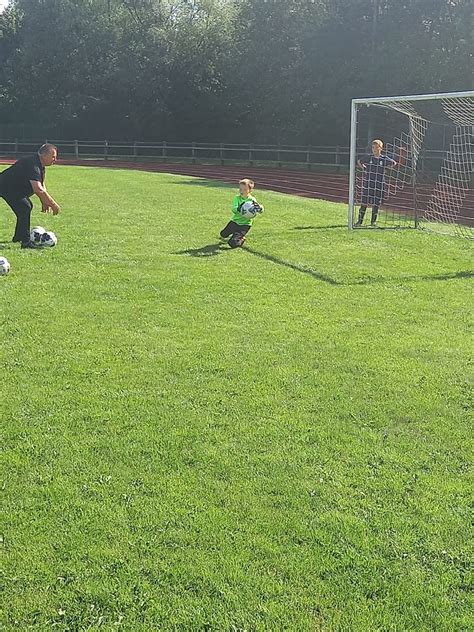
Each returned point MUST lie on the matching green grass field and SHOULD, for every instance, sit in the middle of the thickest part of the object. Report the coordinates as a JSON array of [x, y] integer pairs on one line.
[[194, 438]]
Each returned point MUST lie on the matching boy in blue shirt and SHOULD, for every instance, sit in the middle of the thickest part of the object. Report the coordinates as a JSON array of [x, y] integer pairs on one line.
[[373, 183]]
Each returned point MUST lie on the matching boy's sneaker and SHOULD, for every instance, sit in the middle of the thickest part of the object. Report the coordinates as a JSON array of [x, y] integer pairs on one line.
[[237, 243], [357, 225]]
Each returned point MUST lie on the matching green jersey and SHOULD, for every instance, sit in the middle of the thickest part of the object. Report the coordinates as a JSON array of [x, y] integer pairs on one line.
[[236, 216]]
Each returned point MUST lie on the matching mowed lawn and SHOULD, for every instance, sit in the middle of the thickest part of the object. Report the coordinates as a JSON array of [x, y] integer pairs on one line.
[[198, 438]]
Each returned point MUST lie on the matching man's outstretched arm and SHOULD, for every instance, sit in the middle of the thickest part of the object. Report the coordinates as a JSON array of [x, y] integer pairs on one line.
[[47, 201]]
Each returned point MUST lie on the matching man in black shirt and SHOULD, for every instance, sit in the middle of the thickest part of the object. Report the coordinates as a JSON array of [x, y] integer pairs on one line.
[[23, 179]]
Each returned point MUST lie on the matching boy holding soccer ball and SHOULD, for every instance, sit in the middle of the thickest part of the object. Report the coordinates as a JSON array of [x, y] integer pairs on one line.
[[244, 209]]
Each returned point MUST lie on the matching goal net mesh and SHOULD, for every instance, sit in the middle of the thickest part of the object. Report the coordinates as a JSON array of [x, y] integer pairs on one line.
[[431, 185]]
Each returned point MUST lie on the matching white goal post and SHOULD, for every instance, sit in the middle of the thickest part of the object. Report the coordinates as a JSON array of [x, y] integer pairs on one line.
[[425, 175]]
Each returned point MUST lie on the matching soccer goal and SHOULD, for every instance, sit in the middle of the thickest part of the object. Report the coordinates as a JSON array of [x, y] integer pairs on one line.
[[422, 176]]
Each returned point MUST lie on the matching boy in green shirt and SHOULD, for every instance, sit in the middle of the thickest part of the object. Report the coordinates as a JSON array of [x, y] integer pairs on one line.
[[239, 225]]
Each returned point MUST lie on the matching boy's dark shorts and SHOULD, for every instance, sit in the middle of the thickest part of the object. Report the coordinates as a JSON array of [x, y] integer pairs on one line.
[[372, 195]]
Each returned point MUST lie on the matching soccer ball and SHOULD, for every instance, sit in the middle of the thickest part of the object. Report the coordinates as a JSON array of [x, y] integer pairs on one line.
[[4, 266], [48, 239], [36, 233], [248, 210]]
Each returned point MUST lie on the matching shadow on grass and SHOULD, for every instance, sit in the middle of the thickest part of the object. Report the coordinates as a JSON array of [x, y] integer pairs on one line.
[[319, 227], [199, 181], [293, 266], [362, 228], [384, 228], [464, 274], [211, 250]]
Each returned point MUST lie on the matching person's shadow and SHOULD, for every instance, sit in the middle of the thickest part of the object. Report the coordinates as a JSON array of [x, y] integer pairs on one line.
[[211, 250]]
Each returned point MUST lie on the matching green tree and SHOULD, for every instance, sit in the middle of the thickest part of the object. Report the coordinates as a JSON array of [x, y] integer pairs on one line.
[[273, 71]]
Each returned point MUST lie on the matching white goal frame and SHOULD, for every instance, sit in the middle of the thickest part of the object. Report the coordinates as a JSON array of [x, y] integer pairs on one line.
[[355, 103]]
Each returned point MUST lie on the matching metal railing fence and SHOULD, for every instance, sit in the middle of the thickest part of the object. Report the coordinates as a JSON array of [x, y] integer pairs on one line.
[[220, 153], [309, 157]]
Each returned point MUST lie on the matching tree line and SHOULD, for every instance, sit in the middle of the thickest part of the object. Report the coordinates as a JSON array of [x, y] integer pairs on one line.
[[262, 71]]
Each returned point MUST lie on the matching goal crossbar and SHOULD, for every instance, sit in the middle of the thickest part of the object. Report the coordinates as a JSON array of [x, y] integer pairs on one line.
[[416, 97]]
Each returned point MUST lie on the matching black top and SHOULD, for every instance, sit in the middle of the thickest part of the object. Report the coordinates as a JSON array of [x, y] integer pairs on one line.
[[15, 181], [375, 167]]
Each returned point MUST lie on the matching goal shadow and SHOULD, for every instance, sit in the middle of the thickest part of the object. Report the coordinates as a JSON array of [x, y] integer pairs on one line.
[[320, 276], [215, 249], [327, 227], [293, 266], [448, 276]]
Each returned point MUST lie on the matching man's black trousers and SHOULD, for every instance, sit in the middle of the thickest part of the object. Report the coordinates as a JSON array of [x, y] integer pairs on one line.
[[22, 209]]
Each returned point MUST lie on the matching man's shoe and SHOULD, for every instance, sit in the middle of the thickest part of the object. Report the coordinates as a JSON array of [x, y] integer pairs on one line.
[[30, 244], [373, 224], [357, 225]]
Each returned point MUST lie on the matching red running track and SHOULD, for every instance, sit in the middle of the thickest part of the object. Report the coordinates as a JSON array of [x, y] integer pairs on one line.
[[331, 187], [308, 184]]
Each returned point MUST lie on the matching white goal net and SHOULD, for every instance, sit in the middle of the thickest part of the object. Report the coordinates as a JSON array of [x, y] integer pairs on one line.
[[419, 172]]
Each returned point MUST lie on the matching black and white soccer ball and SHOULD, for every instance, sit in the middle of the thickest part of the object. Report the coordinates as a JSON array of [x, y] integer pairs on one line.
[[249, 209], [48, 239], [36, 233], [4, 266]]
